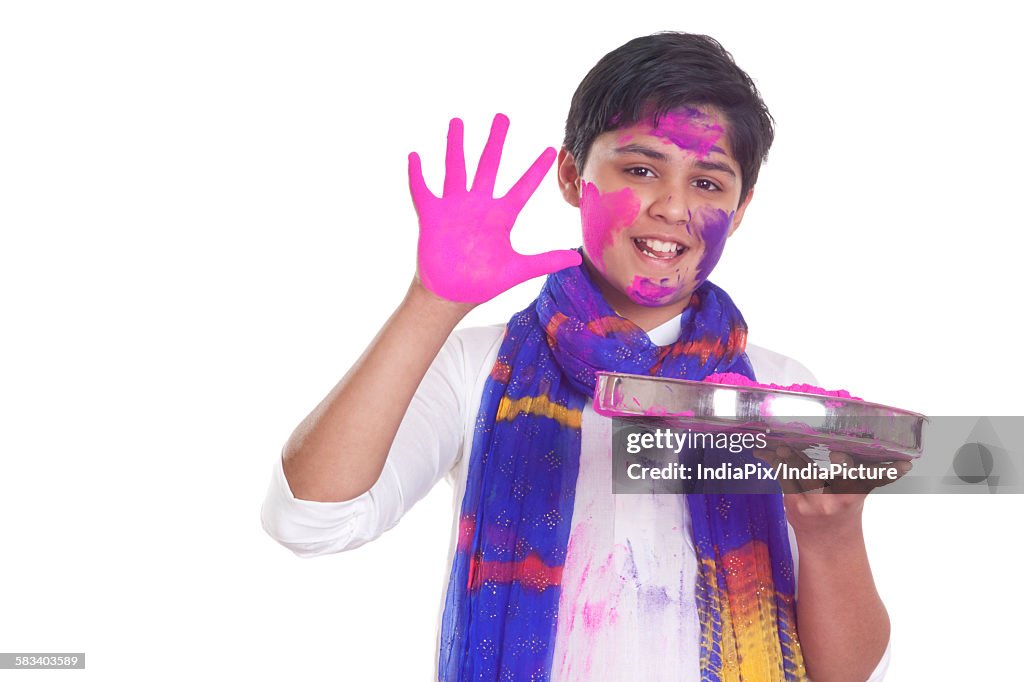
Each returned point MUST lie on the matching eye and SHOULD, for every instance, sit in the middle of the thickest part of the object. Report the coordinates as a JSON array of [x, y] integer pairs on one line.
[[640, 172], [706, 185]]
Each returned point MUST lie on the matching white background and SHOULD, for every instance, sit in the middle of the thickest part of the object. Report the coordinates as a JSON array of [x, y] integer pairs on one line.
[[205, 219]]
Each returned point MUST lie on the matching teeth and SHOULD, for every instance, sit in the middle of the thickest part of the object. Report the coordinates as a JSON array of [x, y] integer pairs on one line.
[[660, 248]]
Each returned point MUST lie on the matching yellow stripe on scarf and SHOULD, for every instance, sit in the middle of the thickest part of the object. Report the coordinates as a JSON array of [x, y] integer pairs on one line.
[[540, 406], [750, 622]]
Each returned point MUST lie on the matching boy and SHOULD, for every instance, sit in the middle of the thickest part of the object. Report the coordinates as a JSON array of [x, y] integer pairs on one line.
[[553, 577]]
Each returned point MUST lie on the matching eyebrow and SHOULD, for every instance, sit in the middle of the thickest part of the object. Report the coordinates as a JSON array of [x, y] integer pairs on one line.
[[715, 166], [702, 164], [642, 151]]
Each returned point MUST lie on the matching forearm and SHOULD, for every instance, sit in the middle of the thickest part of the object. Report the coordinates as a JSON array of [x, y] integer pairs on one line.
[[843, 625], [339, 450], [463, 254]]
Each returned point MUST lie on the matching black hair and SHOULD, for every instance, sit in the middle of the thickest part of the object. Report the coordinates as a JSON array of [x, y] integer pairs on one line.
[[658, 73]]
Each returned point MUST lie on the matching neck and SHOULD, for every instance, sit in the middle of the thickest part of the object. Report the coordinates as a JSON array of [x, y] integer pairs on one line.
[[645, 317]]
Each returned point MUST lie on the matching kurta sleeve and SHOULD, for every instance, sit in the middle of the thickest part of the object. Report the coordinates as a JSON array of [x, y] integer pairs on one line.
[[425, 448]]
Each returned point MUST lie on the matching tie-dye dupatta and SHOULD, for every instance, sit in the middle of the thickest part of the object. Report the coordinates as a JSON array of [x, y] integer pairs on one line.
[[501, 608]]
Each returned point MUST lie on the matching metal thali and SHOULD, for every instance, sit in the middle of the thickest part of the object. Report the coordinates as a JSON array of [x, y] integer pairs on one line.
[[800, 420]]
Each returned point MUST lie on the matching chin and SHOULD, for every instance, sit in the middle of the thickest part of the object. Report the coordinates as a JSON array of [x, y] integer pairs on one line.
[[649, 303], [645, 290]]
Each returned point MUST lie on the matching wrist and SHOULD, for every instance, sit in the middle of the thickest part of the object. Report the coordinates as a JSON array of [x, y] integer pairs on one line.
[[422, 299], [831, 537]]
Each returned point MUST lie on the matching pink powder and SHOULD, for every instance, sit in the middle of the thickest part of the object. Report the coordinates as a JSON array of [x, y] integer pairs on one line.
[[603, 216], [593, 615], [644, 291], [659, 411], [587, 588], [689, 129], [733, 379], [464, 252]]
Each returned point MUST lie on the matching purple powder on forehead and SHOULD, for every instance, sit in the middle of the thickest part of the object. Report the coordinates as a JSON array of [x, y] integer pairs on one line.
[[733, 379], [689, 129]]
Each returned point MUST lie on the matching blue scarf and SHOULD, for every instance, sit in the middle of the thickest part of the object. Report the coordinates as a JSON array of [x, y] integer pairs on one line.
[[500, 611]]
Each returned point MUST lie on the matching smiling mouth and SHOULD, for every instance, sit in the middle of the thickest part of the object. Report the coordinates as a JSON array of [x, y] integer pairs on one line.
[[659, 250]]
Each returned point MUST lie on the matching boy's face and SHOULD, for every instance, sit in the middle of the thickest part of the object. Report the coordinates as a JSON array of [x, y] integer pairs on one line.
[[657, 204]]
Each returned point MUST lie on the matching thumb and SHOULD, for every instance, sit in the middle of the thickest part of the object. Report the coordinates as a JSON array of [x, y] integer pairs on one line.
[[546, 263]]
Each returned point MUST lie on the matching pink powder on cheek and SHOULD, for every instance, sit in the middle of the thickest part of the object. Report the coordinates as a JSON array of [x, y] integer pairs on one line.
[[713, 224], [603, 216], [733, 379], [689, 129]]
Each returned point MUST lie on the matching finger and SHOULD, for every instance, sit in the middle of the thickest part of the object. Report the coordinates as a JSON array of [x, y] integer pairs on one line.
[[454, 160], [900, 468], [769, 459], [528, 184], [843, 485], [417, 187], [767, 456], [799, 456], [487, 170], [546, 263], [792, 462], [798, 461]]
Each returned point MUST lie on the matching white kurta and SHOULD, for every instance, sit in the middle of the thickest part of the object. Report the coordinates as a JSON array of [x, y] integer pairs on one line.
[[627, 608]]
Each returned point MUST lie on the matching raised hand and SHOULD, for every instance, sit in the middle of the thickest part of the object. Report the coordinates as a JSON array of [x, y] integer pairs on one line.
[[465, 252]]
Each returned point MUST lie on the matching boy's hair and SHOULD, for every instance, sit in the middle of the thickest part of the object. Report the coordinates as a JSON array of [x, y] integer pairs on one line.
[[666, 71]]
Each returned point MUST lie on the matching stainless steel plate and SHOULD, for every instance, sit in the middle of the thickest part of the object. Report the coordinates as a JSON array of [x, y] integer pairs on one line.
[[801, 420]]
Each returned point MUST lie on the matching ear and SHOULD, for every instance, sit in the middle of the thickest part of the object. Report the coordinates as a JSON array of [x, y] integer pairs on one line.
[[568, 178], [740, 211]]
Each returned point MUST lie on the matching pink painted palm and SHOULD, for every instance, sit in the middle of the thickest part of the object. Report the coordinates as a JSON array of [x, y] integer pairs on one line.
[[465, 252]]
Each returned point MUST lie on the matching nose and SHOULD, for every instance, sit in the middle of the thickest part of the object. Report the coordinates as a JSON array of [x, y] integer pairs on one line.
[[671, 209]]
